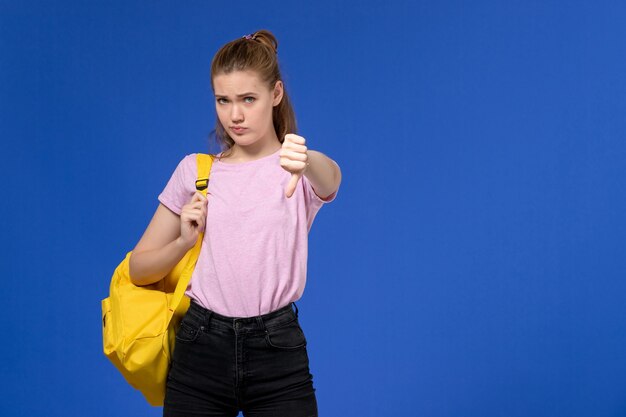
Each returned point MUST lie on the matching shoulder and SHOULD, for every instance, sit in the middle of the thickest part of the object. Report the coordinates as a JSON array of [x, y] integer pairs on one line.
[[187, 167], [189, 158], [181, 184], [188, 161], [192, 158]]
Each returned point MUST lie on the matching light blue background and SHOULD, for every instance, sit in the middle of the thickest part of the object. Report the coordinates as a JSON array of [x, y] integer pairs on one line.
[[473, 263]]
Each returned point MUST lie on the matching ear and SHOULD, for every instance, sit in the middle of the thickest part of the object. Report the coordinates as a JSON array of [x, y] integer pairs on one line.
[[277, 93]]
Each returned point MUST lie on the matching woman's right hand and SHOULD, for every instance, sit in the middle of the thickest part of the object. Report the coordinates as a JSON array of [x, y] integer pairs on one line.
[[193, 220]]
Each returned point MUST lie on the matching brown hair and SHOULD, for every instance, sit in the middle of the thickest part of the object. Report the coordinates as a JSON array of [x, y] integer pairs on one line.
[[255, 52]]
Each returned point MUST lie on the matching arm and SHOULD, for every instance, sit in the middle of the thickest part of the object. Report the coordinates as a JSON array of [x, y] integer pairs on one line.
[[159, 249], [323, 173], [166, 240]]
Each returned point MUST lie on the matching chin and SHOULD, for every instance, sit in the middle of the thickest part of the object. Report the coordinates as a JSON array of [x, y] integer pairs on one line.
[[240, 142]]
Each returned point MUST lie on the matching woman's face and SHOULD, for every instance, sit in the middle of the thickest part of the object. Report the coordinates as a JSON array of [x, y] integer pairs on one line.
[[244, 105]]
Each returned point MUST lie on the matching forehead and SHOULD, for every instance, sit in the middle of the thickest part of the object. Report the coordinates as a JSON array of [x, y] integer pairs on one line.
[[237, 82]]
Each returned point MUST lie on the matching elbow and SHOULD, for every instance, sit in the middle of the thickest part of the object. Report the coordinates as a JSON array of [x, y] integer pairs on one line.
[[131, 270], [334, 182], [138, 274], [336, 177], [135, 277]]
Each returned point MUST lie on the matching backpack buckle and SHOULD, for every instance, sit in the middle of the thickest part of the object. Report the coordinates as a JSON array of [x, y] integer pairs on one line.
[[202, 184]]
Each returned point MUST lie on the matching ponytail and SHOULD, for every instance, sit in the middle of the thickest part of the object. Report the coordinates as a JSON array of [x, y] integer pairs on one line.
[[256, 52]]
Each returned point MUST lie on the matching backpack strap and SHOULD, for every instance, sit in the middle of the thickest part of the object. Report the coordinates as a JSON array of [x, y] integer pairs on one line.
[[204, 163], [204, 170]]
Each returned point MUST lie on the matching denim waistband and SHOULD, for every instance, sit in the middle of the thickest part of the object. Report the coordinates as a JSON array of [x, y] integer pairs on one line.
[[275, 318]]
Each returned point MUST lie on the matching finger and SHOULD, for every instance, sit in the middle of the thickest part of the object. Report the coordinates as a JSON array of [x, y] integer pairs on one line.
[[197, 196], [198, 209], [296, 156], [196, 215], [294, 147], [198, 204], [291, 137], [200, 222], [192, 210], [293, 166], [291, 186], [194, 222]]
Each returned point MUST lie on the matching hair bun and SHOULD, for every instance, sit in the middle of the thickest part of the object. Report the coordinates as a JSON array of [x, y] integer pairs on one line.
[[266, 38]]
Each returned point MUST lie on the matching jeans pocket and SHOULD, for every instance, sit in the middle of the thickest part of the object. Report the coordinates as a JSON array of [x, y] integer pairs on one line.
[[288, 336], [187, 331]]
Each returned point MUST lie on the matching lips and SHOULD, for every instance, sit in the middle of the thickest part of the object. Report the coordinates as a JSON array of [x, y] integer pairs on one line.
[[238, 130]]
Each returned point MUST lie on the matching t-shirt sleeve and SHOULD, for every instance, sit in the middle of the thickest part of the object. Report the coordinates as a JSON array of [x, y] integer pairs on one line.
[[313, 201], [312, 197], [181, 185]]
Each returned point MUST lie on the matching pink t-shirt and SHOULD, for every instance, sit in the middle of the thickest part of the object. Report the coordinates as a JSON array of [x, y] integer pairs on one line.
[[254, 253]]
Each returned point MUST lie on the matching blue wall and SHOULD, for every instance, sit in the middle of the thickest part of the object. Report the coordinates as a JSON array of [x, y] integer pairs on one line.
[[473, 263]]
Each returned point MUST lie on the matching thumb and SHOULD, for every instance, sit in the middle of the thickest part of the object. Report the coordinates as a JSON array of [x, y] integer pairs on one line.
[[291, 186]]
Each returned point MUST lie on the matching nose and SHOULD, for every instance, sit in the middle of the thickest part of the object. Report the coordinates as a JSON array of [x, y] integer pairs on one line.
[[236, 115]]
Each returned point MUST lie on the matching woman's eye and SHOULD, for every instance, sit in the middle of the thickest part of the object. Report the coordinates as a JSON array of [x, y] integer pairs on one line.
[[248, 99], [221, 100]]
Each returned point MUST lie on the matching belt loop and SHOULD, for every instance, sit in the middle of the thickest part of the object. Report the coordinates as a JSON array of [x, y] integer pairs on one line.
[[208, 319], [261, 324], [294, 304]]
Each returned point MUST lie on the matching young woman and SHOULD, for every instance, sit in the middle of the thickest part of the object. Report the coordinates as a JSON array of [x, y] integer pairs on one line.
[[240, 346]]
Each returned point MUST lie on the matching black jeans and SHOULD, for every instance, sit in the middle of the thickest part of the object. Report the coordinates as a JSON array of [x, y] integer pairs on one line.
[[223, 365]]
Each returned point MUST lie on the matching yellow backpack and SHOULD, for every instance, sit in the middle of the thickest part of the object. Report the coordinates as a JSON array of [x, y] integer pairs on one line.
[[139, 323]]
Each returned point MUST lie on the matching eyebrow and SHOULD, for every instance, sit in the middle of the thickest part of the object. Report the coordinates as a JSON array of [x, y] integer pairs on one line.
[[238, 95]]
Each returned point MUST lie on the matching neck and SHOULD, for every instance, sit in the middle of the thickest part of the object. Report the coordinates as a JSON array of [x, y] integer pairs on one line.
[[254, 151]]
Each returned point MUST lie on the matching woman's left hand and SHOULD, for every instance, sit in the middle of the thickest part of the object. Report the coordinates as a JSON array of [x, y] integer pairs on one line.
[[294, 159]]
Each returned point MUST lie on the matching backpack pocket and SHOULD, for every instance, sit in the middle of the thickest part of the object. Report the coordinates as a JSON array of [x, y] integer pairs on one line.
[[108, 334]]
